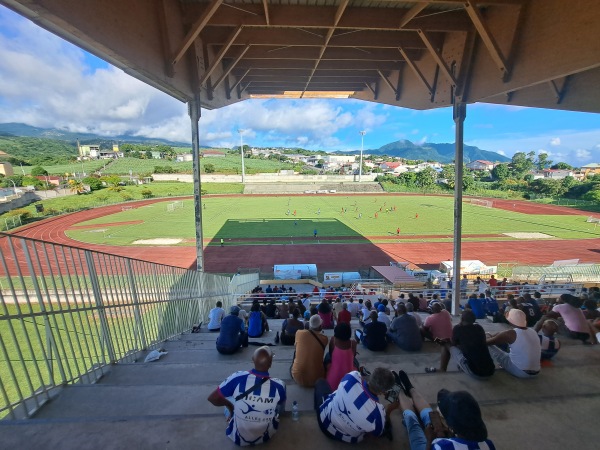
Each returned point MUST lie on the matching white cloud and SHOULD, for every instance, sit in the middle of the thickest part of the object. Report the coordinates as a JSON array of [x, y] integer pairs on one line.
[[583, 154], [501, 152], [555, 141]]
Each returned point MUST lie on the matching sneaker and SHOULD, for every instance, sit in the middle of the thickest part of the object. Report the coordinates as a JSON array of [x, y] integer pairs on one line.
[[403, 380]]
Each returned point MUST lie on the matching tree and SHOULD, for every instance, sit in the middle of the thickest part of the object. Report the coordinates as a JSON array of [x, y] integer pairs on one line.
[[448, 174], [522, 164], [562, 166], [38, 171], [501, 172], [426, 178], [94, 183], [148, 154], [542, 161], [468, 181], [209, 168], [568, 182]]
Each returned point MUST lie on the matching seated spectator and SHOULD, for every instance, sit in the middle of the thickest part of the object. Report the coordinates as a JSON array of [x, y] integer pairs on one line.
[[438, 326], [476, 305], [307, 366], [257, 322], [326, 314], [341, 358], [568, 306], [460, 411], [256, 401], [353, 410], [344, 315], [414, 300], [382, 316], [468, 349], [305, 303], [337, 307], [365, 312], [215, 316], [490, 304], [233, 333], [353, 307], [404, 330], [374, 334], [523, 358], [533, 301], [290, 327], [447, 303], [532, 314], [591, 310], [300, 306], [283, 310], [411, 312], [547, 329], [271, 309], [422, 303]]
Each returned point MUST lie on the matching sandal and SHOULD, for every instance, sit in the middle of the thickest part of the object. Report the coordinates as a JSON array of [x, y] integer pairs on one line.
[[430, 370]]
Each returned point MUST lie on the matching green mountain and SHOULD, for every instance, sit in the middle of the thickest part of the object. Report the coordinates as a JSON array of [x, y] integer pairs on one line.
[[443, 153]]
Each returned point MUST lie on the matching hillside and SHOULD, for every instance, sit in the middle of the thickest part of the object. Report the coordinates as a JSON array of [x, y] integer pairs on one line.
[[443, 153]]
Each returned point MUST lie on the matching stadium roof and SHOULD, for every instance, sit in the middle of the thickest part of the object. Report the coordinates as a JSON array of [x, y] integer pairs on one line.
[[417, 54]]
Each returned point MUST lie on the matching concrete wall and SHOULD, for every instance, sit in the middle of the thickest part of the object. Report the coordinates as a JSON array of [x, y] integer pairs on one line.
[[22, 200], [263, 178]]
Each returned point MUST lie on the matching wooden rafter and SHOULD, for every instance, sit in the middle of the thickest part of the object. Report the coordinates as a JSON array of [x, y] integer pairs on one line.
[[195, 30], [437, 57], [219, 57], [416, 71], [559, 91], [412, 13], [231, 66], [266, 8], [388, 82], [487, 37]]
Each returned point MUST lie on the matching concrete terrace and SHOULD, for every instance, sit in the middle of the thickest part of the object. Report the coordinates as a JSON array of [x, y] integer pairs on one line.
[[162, 405]]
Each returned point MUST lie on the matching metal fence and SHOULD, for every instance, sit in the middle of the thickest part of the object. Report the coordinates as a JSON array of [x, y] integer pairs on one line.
[[67, 313]]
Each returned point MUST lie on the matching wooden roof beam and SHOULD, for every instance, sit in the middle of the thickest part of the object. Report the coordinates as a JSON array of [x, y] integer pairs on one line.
[[412, 13], [266, 8], [221, 54], [230, 67], [195, 30], [238, 81], [437, 57], [487, 38], [388, 82], [417, 72]]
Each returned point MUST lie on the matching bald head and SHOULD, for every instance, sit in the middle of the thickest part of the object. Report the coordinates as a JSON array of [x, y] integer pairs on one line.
[[262, 358], [373, 316]]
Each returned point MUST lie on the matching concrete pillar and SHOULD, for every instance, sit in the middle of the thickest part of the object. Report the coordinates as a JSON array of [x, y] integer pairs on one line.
[[459, 114], [194, 112]]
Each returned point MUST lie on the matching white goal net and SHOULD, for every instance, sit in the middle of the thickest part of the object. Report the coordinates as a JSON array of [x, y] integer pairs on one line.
[[484, 203]]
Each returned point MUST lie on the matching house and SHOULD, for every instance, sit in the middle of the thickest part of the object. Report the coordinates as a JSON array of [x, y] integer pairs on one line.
[[6, 169], [50, 179], [590, 169], [394, 167], [184, 157], [213, 154], [556, 174], [480, 164], [90, 151]]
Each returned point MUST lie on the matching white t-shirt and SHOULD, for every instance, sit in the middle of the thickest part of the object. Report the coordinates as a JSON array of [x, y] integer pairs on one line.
[[214, 318]]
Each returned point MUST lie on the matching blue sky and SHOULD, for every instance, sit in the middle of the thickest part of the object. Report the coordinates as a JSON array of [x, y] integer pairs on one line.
[[48, 82]]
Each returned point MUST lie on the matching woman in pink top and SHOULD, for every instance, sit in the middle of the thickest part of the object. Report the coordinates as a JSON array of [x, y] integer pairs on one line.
[[569, 308], [341, 358]]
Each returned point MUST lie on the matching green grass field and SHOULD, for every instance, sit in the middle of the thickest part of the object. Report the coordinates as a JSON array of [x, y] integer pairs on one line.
[[260, 219]]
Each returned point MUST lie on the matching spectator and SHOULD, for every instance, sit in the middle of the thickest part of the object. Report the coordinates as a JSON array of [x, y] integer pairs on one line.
[[568, 306], [461, 412], [307, 366], [591, 310], [326, 314], [492, 282], [257, 322], [344, 315], [477, 305], [523, 358], [374, 334], [532, 314], [464, 283], [353, 307], [271, 309], [215, 316], [547, 329], [254, 400], [414, 300], [410, 311], [337, 308], [354, 410], [341, 358], [366, 310], [404, 330], [382, 316], [306, 302], [468, 349], [233, 334], [422, 303], [490, 304], [438, 326], [290, 327], [283, 310]]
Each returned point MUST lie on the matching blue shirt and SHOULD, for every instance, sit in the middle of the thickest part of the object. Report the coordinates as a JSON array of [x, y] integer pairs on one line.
[[231, 326], [461, 444], [352, 411], [476, 305], [255, 416], [255, 324], [491, 306]]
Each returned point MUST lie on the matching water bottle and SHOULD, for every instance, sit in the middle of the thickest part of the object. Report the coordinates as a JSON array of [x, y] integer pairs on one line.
[[295, 412]]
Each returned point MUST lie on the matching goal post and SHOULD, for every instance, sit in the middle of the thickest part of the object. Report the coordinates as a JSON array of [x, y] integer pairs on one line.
[[483, 203]]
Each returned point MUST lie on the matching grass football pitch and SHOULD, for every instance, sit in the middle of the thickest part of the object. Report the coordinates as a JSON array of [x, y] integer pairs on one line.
[[336, 218]]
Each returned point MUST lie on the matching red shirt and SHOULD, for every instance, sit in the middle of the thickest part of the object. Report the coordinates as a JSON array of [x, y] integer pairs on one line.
[[344, 316], [493, 282]]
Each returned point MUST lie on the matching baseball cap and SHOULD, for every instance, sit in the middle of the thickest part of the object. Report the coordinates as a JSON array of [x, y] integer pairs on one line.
[[462, 413], [315, 322], [235, 310], [517, 318], [381, 308], [307, 314]]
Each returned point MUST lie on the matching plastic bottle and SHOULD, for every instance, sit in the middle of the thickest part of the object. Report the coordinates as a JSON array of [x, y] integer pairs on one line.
[[295, 412]]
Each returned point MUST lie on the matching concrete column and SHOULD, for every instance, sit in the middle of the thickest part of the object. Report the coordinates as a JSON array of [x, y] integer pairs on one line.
[[459, 114], [194, 112]]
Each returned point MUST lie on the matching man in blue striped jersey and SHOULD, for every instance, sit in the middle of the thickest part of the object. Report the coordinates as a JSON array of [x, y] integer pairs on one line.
[[253, 399]]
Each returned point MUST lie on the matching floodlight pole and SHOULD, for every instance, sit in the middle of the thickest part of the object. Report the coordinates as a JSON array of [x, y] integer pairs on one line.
[[14, 186], [362, 144], [459, 114], [242, 153]]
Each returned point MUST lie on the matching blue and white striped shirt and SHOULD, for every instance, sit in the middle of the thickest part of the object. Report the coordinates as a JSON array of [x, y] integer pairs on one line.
[[461, 444], [352, 411], [255, 416]]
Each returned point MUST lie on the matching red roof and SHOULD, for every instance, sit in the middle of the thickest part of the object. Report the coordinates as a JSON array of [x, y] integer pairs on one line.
[[393, 165]]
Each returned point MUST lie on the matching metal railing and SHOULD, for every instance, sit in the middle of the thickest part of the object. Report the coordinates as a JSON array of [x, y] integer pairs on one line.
[[68, 313]]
